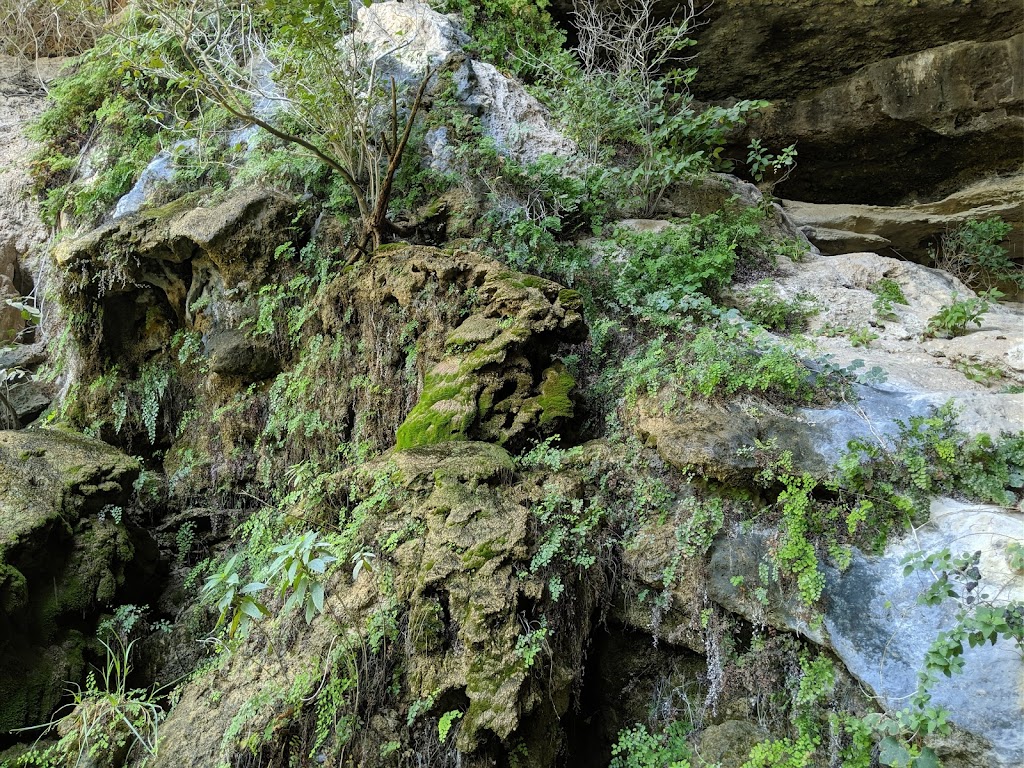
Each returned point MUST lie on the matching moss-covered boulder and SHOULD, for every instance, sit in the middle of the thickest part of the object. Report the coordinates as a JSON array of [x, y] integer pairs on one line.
[[65, 554], [129, 284], [448, 616], [497, 380], [717, 441]]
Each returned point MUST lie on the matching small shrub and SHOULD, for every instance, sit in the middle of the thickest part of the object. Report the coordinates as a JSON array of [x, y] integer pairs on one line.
[[299, 568], [698, 255], [235, 601], [782, 753], [532, 643], [107, 723], [983, 373], [769, 169], [933, 456], [568, 537], [720, 358], [862, 337], [93, 106], [952, 320], [533, 208], [972, 253], [765, 306], [41, 28], [500, 27], [887, 294], [446, 722]]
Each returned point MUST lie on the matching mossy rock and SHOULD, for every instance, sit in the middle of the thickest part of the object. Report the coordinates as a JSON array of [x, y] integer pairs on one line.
[[149, 255], [59, 564], [489, 385]]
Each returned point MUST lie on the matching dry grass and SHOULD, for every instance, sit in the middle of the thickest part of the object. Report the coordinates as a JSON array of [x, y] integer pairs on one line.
[[42, 28]]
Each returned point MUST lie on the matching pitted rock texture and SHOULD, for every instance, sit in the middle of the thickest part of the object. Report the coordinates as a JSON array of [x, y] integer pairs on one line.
[[497, 379]]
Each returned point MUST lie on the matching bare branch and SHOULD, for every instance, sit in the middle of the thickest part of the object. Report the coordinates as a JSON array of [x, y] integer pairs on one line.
[[331, 88]]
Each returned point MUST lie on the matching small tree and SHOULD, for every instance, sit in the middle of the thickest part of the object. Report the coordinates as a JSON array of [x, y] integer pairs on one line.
[[632, 95], [296, 69]]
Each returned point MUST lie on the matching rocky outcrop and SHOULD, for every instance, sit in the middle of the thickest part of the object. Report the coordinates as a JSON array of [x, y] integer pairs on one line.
[[483, 363], [420, 37], [881, 633], [715, 441], [137, 278], [775, 49], [910, 230], [457, 578], [927, 124], [67, 552], [496, 380], [969, 369], [22, 98], [874, 624]]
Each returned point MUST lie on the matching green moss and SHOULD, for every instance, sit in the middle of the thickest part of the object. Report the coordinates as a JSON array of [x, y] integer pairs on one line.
[[474, 330], [175, 208], [476, 557], [32, 684], [570, 299], [446, 410], [554, 400], [13, 588]]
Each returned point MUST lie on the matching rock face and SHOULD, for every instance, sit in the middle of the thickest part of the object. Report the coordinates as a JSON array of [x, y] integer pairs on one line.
[[888, 103], [63, 559], [880, 632], [21, 99], [486, 384], [234, 353], [920, 370], [155, 265], [928, 123], [509, 115], [909, 230], [461, 573], [715, 440], [873, 623], [777, 48]]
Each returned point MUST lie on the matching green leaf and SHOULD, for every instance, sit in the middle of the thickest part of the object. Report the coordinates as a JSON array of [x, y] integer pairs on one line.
[[317, 593], [251, 609], [894, 754]]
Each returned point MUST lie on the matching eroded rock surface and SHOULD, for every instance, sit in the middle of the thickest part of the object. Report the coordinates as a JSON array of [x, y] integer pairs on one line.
[[461, 571], [488, 382], [927, 124], [63, 559], [909, 230]]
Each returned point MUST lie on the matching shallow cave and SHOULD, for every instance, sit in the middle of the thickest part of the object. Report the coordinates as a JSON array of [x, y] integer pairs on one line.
[[627, 679]]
